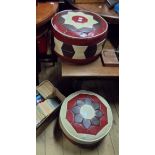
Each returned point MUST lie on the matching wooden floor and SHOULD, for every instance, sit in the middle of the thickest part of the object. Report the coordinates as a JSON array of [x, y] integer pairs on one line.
[[52, 142]]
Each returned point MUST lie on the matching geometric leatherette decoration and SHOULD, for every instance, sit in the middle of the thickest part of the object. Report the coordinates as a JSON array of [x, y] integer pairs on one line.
[[85, 117], [87, 114], [77, 52]]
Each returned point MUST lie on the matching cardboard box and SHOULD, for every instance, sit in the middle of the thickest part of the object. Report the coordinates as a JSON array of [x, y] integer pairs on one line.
[[48, 102]]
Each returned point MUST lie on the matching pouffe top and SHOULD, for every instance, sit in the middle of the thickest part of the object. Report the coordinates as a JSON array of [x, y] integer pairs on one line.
[[85, 117], [79, 24]]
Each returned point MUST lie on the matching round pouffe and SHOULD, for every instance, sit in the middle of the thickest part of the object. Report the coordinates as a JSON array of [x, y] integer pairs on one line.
[[79, 36], [85, 117]]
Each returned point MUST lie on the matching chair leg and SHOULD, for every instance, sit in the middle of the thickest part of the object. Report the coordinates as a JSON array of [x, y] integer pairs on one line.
[[38, 65]]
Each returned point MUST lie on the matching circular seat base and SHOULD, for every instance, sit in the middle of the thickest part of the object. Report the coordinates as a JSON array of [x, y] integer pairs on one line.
[[85, 117]]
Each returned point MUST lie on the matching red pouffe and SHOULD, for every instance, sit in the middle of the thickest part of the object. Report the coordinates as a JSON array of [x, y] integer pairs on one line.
[[79, 36], [85, 117]]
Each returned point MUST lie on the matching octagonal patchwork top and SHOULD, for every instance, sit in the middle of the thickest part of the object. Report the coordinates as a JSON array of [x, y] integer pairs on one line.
[[85, 117], [79, 24]]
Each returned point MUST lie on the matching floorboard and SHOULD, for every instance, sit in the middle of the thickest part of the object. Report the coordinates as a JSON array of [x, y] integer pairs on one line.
[[117, 108], [53, 140], [40, 144], [70, 148], [114, 132], [106, 146], [90, 151]]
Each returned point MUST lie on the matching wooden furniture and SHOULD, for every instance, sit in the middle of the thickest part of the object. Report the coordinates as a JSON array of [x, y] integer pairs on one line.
[[101, 8], [44, 13], [94, 69]]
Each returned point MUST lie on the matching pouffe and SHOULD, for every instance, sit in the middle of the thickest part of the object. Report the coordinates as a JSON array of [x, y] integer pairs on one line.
[[79, 36], [85, 117]]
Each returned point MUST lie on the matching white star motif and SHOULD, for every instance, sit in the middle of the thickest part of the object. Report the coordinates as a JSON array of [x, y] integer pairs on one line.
[[89, 23]]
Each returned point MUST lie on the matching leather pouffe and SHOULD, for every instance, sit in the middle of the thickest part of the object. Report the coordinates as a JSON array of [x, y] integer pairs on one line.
[[85, 117], [79, 36]]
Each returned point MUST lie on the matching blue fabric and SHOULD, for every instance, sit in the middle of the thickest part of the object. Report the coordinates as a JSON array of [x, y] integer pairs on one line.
[[39, 99], [116, 8]]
